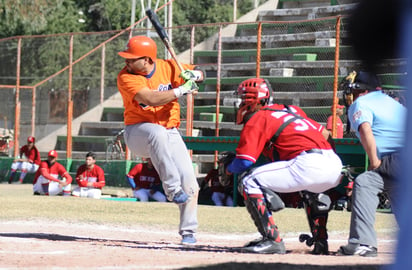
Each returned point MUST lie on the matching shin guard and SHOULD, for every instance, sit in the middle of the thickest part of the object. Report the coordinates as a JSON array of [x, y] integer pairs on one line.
[[262, 216]]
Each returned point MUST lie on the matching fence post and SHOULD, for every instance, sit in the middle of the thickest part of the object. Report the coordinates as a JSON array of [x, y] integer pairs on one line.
[[70, 103], [258, 49], [17, 109], [335, 79]]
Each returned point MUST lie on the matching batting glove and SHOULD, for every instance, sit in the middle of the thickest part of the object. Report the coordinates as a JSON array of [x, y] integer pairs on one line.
[[195, 75], [187, 88]]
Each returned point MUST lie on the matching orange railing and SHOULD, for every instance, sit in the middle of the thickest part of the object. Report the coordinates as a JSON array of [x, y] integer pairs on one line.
[[190, 29]]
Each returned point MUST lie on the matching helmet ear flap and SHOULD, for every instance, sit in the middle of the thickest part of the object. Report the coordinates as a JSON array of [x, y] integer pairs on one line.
[[270, 89]]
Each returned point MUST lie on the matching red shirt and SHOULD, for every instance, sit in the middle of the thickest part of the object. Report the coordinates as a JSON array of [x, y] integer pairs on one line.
[[299, 135], [339, 126], [95, 175], [51, 172], [143, 176], [32, 154]]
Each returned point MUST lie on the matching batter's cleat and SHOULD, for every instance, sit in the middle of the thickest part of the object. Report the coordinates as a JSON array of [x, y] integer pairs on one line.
[[266, 246], [180, 197], [321, 247], [188, 239], [359, 250]]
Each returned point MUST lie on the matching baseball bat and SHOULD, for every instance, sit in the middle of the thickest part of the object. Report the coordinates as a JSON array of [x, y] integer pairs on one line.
[[163, 35]]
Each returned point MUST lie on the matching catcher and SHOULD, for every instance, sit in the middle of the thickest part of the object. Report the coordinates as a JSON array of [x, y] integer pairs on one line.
[[301, 160]]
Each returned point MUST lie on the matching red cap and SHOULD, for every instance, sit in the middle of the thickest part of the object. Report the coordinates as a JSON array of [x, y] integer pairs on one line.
[[337, 107], [52, 153], [31, 139], [350, 185]]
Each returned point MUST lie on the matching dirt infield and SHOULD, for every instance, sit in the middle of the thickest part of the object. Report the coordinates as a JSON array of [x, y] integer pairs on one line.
[[38, 244], [41, 232]]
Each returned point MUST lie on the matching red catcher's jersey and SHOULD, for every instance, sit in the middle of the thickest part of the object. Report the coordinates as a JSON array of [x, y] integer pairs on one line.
[[299, 135], [144, 177]]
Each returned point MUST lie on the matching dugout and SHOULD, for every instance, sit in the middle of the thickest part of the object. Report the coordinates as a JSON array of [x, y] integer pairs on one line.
[[350, 151]]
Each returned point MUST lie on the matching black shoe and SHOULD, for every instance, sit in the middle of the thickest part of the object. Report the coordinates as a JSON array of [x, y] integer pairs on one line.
[[321, 247], [36, 193], [253, 242], [360, 250], [266, 246]]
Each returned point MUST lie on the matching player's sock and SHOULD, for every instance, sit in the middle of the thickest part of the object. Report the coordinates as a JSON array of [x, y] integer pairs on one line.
[[12, 173], [22, 175]]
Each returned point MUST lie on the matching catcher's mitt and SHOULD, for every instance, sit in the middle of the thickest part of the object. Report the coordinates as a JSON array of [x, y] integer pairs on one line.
[[224, 161]]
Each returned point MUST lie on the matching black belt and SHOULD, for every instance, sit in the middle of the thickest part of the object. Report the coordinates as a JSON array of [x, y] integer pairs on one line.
[[313, 151]]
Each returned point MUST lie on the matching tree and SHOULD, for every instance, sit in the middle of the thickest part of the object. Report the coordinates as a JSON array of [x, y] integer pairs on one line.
[[38, 17]]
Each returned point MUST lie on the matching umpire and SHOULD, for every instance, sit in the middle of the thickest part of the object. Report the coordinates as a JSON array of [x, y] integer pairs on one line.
[[378, 121]]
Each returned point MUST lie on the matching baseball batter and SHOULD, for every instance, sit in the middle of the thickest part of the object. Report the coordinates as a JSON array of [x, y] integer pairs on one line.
[[150, 88], [145, 182], [52, 178], [90, 178], [28, 161], [302, 158]]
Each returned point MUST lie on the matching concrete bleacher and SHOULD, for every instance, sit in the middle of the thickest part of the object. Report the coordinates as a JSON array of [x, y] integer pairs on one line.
[[271, 54], [305, 13], [283, 40], [311, 3]]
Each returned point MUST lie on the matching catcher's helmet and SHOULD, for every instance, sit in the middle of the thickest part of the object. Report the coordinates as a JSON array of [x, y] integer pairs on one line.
[[140, 46], [252, 92], [356, 83]]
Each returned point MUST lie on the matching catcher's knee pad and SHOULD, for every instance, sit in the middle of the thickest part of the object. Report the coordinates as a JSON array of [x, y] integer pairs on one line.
[[274, 202], [319, 203]]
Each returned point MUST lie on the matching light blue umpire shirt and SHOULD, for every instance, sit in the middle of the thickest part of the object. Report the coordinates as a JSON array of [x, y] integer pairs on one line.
[[386, 117]]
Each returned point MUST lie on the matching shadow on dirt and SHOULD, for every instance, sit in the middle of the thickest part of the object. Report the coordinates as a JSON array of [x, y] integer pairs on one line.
[[284, 266]]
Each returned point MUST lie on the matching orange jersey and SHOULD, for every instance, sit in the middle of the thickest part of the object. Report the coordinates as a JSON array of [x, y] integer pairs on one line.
[[165, 76]]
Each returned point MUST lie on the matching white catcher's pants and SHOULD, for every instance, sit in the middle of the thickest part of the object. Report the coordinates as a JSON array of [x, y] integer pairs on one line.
[[170, 157], [52, 188], [87, 192], [29, 167], [143, 194], [312, 172]]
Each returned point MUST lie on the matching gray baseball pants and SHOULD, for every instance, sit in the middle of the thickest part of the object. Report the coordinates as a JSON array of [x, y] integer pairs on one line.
[[170, 157], [365, 199]]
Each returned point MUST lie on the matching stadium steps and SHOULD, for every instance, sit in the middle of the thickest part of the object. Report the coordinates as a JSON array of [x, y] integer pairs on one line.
[[270, 54], [306, 13], [282, 40], [282, 4], [295, 83]]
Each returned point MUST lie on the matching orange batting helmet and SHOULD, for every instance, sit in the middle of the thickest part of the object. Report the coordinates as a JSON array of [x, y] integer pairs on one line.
[[140, 46]]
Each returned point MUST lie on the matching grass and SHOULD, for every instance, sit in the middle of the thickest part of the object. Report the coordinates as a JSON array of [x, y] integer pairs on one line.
[[18, 203]]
